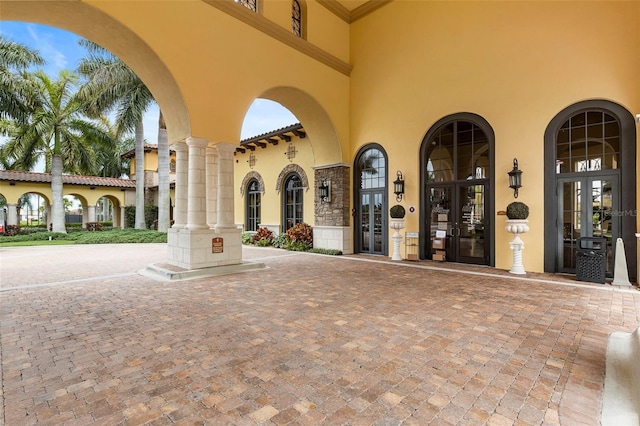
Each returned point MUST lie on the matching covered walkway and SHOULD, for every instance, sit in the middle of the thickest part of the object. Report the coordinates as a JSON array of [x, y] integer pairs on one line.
[[310, 340]]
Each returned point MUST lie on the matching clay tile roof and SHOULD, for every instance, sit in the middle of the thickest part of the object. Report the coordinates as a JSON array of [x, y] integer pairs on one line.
[[147, 148], [17, 176]]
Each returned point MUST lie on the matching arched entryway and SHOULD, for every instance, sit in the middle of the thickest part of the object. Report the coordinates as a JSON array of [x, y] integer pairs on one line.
[[370, 199], [456, 177], [590, 155]]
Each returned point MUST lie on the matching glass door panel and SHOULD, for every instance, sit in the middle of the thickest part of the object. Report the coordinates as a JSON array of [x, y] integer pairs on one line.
[[471, 221], [588, 208], [440, 219], [365, 218], [372, 235], [377, 222]]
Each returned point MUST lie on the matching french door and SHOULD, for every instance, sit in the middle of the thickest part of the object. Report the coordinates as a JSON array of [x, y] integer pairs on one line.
[[587, 207], [459, 210], [373, 235]]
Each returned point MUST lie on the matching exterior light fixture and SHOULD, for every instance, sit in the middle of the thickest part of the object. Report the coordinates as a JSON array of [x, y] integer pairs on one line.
[[515, 178], [324, 190], [398, 186]]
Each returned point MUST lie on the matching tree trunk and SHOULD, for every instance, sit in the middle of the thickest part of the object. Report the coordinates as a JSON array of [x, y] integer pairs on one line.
[[140, 222], [163, 177], [57, 208]]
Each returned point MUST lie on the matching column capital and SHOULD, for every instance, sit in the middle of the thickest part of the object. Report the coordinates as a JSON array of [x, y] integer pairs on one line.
[[179, 146], [225, 147], [200, 142]]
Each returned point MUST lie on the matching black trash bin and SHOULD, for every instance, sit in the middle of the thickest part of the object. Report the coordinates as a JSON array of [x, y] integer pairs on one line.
[[590, 259]]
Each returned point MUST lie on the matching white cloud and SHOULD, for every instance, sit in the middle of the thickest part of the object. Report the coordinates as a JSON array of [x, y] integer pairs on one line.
[[45, 43]]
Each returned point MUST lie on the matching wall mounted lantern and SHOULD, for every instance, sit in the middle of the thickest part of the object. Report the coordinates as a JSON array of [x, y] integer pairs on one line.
[[515, 178], [252, 160], [324, 190], [398, 186]]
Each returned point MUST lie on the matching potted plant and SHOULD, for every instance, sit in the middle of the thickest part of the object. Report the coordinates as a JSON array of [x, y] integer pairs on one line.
[[517, 210], [397, 212]]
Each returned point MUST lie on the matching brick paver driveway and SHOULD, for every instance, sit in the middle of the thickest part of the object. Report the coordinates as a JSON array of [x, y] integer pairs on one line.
[[310, 340]]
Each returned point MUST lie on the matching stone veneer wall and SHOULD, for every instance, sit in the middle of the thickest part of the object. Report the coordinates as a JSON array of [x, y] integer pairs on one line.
[[332, 219], [335, 212]]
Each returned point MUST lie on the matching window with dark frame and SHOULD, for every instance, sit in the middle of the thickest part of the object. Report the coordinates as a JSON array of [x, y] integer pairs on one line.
[[588, 141], [293, 201], [253, 205], [249, 4], [296, 18]]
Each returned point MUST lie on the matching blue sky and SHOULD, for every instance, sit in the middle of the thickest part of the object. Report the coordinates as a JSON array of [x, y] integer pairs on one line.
[[61, 51]]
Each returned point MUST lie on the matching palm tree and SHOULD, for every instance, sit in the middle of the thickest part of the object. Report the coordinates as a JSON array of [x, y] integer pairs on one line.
[[58, 131], [15, 59], [163, 176], [109, 161], [112, 85]]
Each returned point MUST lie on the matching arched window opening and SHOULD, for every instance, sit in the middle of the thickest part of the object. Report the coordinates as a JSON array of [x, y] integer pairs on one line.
[[293, 197], [588, 141], [371, 197], [253, 200], [249, 4], [457, 200], [589, 159], [296, 18]]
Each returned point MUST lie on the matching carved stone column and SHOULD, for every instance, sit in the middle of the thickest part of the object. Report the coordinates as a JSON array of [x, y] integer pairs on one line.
[[197, 201], [225, 186], [181, 188], [212, 187]]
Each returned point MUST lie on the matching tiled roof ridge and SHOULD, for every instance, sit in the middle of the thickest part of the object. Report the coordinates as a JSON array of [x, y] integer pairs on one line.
[[276, 132], [40, 177]]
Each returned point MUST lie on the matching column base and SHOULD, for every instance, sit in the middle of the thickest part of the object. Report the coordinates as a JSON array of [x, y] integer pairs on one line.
[[333, 237], [194, 248]]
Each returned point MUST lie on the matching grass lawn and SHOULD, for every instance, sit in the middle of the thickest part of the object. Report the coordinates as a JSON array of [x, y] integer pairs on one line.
[[36, 243], [113, 236]]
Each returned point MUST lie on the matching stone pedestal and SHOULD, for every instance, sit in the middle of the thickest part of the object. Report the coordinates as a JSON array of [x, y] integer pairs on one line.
[[517, 227], [397, 225], [196, 248]]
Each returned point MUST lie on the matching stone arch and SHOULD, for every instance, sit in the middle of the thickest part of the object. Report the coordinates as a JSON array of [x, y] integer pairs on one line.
[[251, 175], [292, 168], [95, 25]]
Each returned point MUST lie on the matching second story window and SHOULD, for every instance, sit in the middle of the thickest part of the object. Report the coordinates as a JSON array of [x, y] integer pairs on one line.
[[249, 4], [296, 18]]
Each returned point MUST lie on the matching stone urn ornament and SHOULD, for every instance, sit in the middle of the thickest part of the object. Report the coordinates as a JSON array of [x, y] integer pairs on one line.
[[397, 213], [517, 223]]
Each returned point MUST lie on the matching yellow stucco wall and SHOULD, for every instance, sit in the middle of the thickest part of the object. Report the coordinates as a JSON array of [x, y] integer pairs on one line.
[[516, 64], [84, 193], [271, 161]]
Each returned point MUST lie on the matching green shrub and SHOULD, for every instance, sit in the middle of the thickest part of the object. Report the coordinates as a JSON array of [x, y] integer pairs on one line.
[[332, 252], [280, 241], [247, 238], [80, 236], [150, 215], [130, 216], [298, 246]]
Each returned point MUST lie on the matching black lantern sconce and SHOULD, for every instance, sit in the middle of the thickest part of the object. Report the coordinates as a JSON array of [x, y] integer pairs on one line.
[[324, 190], [252, 160], [515, 178], [398, 186]]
